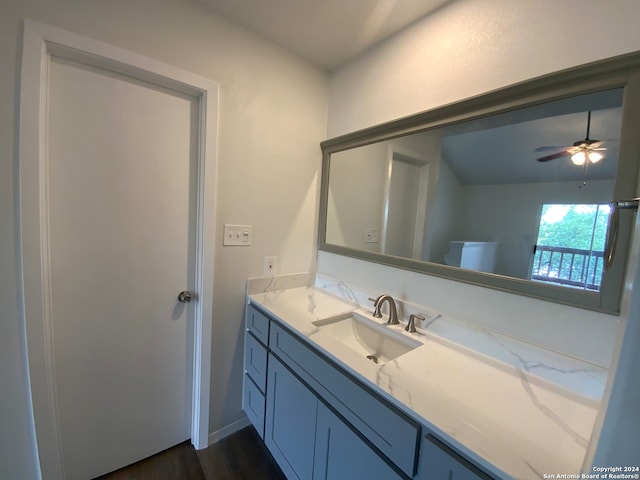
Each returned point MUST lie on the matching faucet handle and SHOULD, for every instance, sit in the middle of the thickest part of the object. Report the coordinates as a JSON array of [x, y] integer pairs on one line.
[[411, 324], [376, 308]]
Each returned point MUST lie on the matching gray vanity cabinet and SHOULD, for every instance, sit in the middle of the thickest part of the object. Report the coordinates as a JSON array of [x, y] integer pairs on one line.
[[320, 423]]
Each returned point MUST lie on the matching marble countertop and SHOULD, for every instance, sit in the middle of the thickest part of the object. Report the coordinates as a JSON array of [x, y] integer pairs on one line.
[[496, 410]]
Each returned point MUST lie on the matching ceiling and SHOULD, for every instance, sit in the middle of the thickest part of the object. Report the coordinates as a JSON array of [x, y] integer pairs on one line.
[[326, 32]]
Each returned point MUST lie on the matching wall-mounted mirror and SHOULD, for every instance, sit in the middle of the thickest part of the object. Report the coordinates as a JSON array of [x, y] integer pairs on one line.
[[510, 191]]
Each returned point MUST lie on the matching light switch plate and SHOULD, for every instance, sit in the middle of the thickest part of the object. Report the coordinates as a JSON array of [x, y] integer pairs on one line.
[[238, 235]]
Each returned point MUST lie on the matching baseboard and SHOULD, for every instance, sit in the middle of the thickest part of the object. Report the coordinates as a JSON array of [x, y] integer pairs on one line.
[[218, 435]]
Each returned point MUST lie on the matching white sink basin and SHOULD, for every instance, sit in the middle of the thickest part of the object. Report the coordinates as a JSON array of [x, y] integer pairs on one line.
[[365, 338]]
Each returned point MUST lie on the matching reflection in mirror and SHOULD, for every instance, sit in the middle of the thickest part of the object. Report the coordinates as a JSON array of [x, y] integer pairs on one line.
[[519, 194]]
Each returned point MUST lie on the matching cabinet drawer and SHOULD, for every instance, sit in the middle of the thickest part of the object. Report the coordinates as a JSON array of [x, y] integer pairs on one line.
[[253, 404], [257, 323], [440, 461], [255, 361], [392, 432]]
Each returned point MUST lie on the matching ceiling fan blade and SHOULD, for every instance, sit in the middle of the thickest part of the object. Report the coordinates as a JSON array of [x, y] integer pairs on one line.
[[549, 148], [553, 156]]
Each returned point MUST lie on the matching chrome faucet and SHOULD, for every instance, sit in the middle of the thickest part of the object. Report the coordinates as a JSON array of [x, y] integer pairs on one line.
[[393, 313]]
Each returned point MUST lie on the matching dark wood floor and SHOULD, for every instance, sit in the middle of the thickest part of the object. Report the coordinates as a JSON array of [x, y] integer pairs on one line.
[[177, 463], [240, 456]]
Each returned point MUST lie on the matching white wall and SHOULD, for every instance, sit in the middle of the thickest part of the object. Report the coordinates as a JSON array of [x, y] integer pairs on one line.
[[356, 195], [272, 117], [473, 46], [357, 187]]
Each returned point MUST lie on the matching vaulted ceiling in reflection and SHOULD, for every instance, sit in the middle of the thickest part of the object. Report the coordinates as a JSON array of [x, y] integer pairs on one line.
[[502, 149]]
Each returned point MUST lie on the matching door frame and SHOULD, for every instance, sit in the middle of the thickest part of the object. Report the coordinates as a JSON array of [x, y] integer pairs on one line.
[[40, 42], [395, 151]]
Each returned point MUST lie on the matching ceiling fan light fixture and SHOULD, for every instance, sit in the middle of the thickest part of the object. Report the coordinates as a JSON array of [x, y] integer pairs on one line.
[[581, 151], [579, 158], [594, 157]]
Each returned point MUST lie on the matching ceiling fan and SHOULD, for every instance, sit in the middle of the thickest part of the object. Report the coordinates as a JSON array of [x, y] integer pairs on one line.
[[580, 152]]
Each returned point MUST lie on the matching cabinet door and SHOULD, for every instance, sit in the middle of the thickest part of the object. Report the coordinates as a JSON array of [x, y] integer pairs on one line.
[[439, 462], [290, 422], [343, 455]]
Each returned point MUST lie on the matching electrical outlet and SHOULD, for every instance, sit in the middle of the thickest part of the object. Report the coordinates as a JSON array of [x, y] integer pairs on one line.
[[270, 266], [371, 235]]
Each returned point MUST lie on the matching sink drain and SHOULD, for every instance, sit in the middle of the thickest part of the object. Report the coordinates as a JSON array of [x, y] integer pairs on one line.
[[373, 358]]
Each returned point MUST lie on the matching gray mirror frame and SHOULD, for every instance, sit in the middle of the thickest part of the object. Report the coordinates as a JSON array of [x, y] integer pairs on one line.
[[622, 71]]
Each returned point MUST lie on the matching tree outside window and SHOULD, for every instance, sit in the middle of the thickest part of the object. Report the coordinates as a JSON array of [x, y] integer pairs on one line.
[[570, 246]]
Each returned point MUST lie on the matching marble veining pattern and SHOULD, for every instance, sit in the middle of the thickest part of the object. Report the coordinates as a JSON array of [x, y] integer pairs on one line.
[[580, 440], [508, 405]]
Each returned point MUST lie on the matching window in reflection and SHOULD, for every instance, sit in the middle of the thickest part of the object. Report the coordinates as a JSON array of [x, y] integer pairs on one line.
[[570, 246]]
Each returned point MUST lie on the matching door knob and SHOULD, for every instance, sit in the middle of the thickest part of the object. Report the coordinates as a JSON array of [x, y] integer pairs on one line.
[[184, 296]]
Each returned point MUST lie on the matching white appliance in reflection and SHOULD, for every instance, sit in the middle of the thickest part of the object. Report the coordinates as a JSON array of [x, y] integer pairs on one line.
[[479, 256]]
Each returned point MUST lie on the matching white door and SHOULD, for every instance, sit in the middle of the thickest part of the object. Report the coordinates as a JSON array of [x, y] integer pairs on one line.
[[122, 179]]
